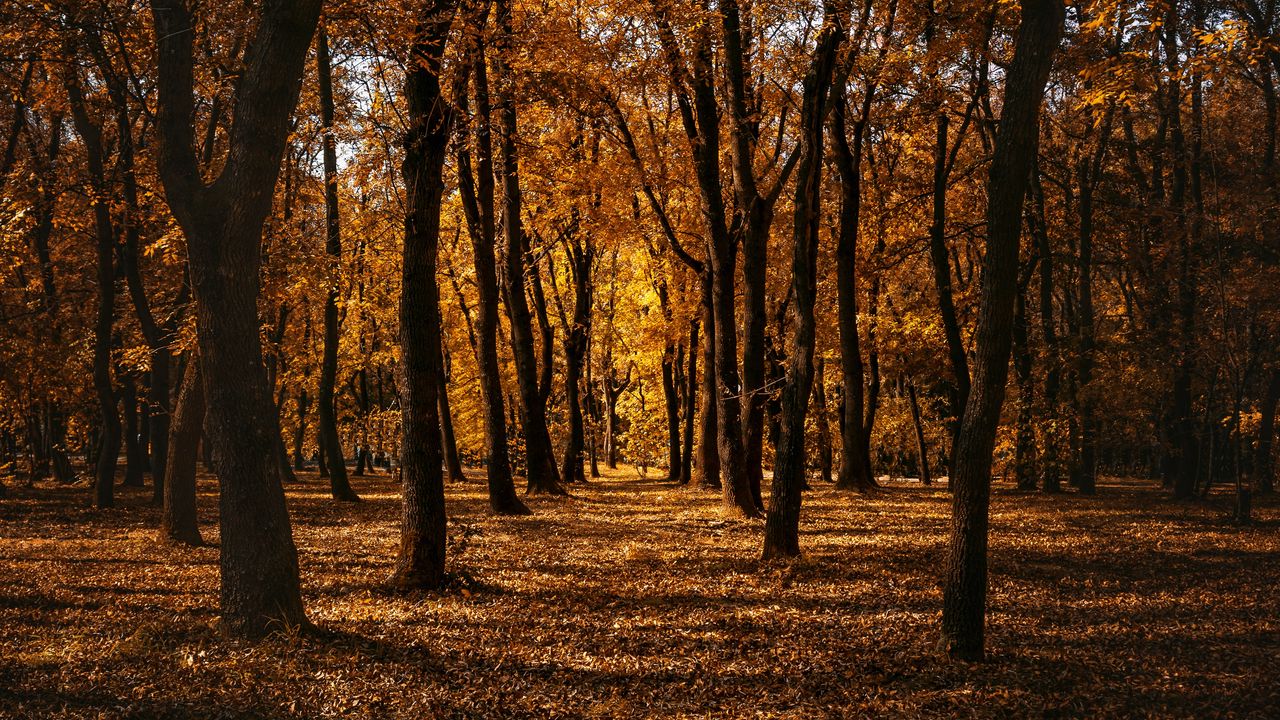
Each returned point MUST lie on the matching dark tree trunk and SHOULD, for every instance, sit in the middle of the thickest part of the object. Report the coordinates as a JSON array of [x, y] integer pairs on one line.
[[104, 233], [339, 484], [824, 427], [135, 457], [671, 360], [690, 405], [942, 279], [782, 523], [448, 440], [708, 448], [223, 222], [1050, 462], [1025, 441], [178, 521], [300, 432], [542, 476], [922, 449], [421, 560], [965, 577], [855, 463], [581, 262], [477, 202]]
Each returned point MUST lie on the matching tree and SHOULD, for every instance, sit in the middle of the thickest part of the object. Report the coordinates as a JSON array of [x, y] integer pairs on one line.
[[782, 523], [420, 563], [965, 574], [222, 220], [339, 485]]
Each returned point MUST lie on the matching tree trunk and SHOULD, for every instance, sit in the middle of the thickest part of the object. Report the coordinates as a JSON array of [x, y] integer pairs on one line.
[[708, 448], [178, 521], [104, 232], [922, 449], [300, 432], [478, 205], [942, 279], [542, 476], [671, 360], [223, 223], [135, 456], [824, 427], [855, 465], [448, 441], [782, 523], [685, 476], [1025, 442], [965, 576], [420, 563], [581, 260], [339, 484]]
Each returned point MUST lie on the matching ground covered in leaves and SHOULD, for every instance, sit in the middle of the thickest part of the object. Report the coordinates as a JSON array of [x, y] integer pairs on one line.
[[636, 598]]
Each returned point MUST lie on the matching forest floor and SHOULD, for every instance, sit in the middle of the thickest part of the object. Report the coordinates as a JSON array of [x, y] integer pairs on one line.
[[636, 598]]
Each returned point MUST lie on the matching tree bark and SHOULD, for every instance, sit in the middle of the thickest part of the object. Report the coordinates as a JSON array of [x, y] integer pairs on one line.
[[339, 484], [965, 575], [542, 476], [782, 522], [104, 233], [478, 205], [178, 521], [421, 560], [223, 222]]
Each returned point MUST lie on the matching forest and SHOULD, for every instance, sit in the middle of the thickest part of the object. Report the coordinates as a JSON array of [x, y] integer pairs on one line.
[[667, 358]]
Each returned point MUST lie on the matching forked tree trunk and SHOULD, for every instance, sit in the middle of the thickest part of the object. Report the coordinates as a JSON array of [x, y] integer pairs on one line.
[[965, 576], [223, 222], [420, 563], [178, 520]]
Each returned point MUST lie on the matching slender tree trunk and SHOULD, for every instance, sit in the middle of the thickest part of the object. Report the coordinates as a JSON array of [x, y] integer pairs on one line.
[[922, 449], [339, 484], [178, 521], [671, 360], [300, 432], [135, 457], [855, 465], [1024, 443], [690, 405], [104, 233], [421, 560], [965, 576], [448, 441], [542, 474], [782, 523], [824, 427], [942, 279], [477, 195], [708, 447]]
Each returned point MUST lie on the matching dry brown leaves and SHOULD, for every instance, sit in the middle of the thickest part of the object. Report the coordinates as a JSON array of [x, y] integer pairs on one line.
[[634, 598]]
